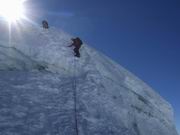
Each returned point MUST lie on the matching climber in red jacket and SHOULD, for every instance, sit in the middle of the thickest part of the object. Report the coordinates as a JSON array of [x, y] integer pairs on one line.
[[77, 43]]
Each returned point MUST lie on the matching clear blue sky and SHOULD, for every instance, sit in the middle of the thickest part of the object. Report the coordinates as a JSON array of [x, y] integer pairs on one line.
[[141, 35]]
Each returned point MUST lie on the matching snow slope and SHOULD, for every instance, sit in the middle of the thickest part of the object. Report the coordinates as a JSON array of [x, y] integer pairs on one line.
[[44, 90]]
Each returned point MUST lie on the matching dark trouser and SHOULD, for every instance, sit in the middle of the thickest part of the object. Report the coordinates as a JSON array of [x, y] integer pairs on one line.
[[76, 51]]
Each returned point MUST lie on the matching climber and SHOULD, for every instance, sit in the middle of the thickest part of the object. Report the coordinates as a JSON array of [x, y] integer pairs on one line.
[[45, 24], [77, 43]]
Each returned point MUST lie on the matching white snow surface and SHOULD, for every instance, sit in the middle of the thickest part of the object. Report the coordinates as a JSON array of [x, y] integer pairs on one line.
[[42, 84]]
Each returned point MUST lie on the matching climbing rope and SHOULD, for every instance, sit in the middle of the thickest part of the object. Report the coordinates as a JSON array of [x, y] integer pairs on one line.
[[75, 97]]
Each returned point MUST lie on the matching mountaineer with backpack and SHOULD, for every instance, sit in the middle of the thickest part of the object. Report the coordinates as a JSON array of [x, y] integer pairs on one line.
[[45, 24], [77, 43]]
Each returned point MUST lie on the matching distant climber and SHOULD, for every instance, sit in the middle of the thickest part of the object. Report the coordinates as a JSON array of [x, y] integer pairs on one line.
[[77, 43], [45, 24]]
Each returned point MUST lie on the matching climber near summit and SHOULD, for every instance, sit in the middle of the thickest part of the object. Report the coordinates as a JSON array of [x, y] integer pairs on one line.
[[77, 43], [45, 24]]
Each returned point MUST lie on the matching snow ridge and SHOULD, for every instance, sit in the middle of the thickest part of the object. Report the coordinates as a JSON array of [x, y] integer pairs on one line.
[[45, 90]]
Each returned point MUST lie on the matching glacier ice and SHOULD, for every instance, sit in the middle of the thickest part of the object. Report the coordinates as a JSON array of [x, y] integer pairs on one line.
[[38, 78]]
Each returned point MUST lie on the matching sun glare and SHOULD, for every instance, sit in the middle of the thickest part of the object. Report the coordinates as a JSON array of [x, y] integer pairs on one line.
[[12, 10]]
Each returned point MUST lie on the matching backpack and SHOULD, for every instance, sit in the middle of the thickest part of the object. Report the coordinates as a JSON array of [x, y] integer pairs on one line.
[[79, 42]]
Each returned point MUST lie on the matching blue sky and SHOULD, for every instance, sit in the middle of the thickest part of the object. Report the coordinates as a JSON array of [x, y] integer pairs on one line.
[[141, 35]]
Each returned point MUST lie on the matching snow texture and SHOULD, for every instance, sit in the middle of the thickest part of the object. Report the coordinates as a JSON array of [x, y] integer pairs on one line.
[[45, 90]]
